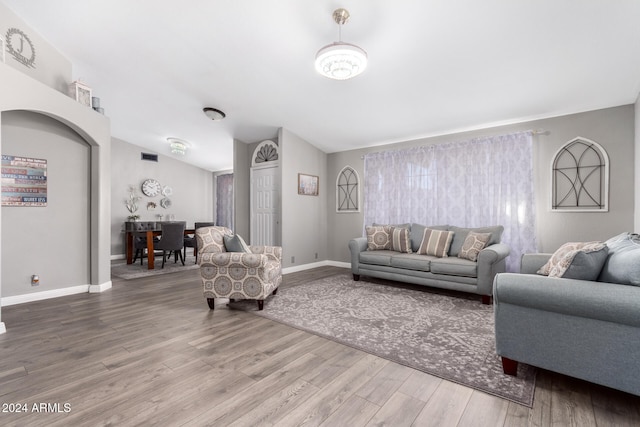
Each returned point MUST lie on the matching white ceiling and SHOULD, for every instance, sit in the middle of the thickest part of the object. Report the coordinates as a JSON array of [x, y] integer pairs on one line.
[[435, 67]]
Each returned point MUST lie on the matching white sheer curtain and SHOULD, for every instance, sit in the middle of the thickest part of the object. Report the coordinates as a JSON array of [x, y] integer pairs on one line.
[[224, 197], [480, 182]]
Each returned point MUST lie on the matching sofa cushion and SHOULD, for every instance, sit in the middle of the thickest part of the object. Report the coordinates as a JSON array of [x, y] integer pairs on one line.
[[460, 235], [378, 237], [584, 264], [400, 241], [412, 262], [623, 264], [417, 232], [380, 257], [473, 244], [561, 252], [454, 267], [435, 242]]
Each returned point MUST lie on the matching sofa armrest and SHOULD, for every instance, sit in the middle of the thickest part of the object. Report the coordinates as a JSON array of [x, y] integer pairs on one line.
[[531, 263], [608, 302], [357, 245], [491, 261]]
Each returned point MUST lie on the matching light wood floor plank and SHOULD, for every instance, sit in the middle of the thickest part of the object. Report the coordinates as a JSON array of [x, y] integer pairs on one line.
[[150, 352]]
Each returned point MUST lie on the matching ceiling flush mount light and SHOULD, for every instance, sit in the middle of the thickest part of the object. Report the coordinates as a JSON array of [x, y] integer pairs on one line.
[[214, 113], [178, 146], [339, 60]]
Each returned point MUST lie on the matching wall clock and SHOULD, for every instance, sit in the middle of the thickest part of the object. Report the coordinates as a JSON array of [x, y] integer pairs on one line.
[[151, 187]]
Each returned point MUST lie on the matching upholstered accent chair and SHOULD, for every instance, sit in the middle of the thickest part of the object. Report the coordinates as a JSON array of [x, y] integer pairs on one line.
[[190, 240], [236, 275]]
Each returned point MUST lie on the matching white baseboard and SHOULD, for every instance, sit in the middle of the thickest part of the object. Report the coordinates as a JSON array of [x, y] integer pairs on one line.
[[54, 293], [95, 289], [325, 263], [117, 257], [3, 328]]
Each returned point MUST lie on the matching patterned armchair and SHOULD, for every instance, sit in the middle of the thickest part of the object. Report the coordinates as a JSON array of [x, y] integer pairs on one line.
[[236, 275]]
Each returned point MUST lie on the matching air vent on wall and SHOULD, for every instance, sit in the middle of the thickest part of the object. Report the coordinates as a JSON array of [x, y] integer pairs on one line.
[[148, 156]]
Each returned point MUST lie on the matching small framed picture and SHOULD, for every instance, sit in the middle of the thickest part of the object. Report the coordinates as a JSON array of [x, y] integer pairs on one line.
[[80, 92], [307, 185]]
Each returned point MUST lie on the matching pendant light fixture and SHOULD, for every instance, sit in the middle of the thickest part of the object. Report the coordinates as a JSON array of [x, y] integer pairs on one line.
[[339, 60]]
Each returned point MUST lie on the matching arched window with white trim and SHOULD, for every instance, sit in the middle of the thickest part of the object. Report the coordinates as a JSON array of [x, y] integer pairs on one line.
[[580, 177], [348, 190]]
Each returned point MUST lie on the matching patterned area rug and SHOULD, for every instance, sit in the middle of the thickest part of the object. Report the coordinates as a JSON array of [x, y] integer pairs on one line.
[[121, 269], [451, 337]]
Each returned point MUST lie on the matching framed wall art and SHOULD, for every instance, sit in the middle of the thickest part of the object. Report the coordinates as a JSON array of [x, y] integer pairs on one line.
[[307, 185], [24, 181]]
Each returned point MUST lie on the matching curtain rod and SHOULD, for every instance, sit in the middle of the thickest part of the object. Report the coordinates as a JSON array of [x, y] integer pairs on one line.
[[533, 132]]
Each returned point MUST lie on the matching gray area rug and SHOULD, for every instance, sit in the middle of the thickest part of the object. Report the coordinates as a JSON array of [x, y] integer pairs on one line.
[[121, 269], [451, 337]]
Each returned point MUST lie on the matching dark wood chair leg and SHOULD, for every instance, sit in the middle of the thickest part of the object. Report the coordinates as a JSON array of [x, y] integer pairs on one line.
[[181, 257], [356, 277], [487, 299], [164, 257], [509, 367], [260, 304], [210, 302]]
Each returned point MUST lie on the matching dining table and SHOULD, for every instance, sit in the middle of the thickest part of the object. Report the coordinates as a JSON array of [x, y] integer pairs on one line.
[[149, 235]]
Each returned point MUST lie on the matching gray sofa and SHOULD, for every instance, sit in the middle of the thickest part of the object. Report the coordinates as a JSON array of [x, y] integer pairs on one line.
[[588, 329], [449, 272]]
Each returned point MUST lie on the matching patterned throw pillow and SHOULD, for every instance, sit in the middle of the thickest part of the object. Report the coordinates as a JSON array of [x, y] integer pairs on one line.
[[562, 252], [473, 244], [435, 242], [400, 240], [378, 237]]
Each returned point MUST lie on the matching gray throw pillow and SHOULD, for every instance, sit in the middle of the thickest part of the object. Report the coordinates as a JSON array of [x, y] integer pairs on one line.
[[235, 243], [583, 264], [623, 264]]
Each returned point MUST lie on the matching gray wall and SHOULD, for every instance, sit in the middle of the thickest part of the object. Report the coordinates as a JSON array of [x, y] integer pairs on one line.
[[51, 241], [50, 66], [304, 218], [613, 128], [241, 187], [191, 201], [636, 184]]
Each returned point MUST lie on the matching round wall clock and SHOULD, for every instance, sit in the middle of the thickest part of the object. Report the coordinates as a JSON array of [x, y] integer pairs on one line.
[[151, 187]]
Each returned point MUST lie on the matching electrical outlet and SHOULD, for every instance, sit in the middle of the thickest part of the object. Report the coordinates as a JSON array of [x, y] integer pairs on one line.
[[293, 260], [35, 280], [316, 255]]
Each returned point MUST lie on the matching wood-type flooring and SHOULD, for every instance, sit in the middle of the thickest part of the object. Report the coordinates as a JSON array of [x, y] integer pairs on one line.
[[150, 352]]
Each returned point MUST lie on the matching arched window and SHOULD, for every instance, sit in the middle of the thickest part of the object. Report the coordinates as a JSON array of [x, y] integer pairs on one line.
[[348, 190], [580, 177]]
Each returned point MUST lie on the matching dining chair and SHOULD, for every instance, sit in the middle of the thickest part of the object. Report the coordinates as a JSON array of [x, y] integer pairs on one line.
[[190, 241], [172, 240], [140, 241]]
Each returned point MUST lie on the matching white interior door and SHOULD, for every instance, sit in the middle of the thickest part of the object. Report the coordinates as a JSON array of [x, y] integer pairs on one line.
[[265, 206]]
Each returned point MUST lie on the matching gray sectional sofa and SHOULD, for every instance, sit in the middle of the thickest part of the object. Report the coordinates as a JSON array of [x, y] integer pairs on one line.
[[449, 272], [588, 329]]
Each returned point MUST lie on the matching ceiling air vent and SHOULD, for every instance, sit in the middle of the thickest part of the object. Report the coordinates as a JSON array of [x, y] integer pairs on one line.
[[148, 156]]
